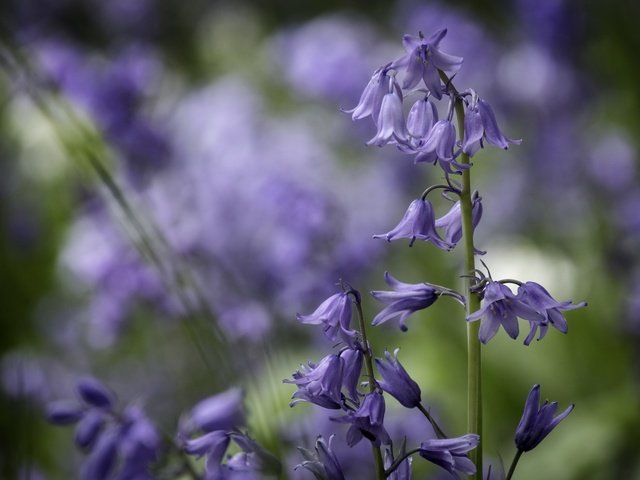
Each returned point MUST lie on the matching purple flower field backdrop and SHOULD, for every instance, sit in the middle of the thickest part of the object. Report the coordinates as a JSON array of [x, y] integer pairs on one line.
[[180, 182]]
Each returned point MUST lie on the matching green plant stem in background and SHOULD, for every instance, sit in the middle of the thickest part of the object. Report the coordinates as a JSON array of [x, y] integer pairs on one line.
[[514, 462], [368, 362], [474, 358]]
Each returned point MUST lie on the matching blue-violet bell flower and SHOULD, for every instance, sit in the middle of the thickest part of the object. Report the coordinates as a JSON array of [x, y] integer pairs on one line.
[[397, 382], [367, 421], [423, 60], [352, 359], [390, 121], [323, 464], [451, 453], [320, 384], [407, 298], [418, 222], [502, 307], [224, 411], [536, 296], [537, 421], [480, 122], [95, 393], [371, 99], [452, 221], [335, 315]]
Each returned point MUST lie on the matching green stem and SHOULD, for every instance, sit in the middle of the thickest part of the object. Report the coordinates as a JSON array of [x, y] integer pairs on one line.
[[368, 362], [474, 377], [514, 462], [398, 461], [432, 421]]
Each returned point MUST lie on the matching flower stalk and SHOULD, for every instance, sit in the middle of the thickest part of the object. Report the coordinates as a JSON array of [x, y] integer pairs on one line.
[[474, 354], [514, 462], [368, 362]]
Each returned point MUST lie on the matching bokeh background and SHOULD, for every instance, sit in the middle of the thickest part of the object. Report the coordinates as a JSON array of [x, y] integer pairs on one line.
[[178, 181]]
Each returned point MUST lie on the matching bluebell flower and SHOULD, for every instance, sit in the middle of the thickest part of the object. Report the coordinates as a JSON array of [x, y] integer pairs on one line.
[[397, 382], [94, 393], [352, 367], [452, 221], [502, 307], [536, 296], [370, 102], [407, 298], [537, 421], [390, 121], [439, 145], [64, 412], [88, 429], [451, 453], [320, 384], [418, 222], [421, 118], [367, 421], [480, 122], [335, 315], [212, 445], [323, 464], [101, 461], [224, 411], [423, 60]]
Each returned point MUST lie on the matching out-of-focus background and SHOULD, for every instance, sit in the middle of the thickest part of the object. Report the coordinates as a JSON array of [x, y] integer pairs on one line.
[[178, 181]]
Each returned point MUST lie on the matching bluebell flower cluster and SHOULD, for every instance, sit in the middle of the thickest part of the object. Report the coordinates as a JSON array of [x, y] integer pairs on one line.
[[428, 71], [325, 383], [423, 134], [125, 445], [118, 445]]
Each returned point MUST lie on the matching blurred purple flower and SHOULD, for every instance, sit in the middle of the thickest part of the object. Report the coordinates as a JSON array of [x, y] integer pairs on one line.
[[224, 411], [537, 421], [397, 382], [451, 453], [418, 222], [502, 307], [95, 393], [537, 297], [406, 299]]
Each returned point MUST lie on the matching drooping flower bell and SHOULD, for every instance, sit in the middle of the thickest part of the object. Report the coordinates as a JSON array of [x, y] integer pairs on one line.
[[480, 122], [502, 307], [335, 315], [390, 121], [396, 381], [451, 453], [452, 221], [407, 298], [536, 296], [537, 421], [423, 60], [371, 99], [367, 421], [320, 384], [418, 222]]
